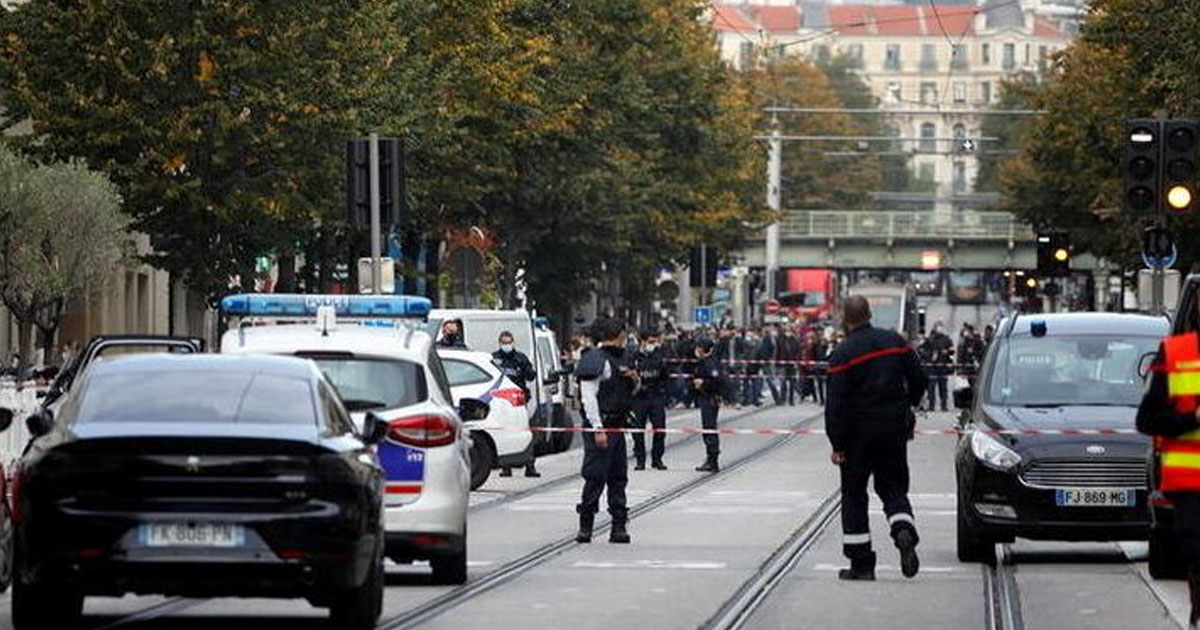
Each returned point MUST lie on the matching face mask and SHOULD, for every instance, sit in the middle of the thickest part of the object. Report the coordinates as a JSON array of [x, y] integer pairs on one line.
[[651, 347], [507, 347]]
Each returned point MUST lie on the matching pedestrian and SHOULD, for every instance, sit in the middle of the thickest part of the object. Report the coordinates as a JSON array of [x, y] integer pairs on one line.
[[937, 352], [651, 403], [608, 385], [452, 334], [970, 353], [989, 334], [767, 357], [1171, 413], [519, 369], [708, 384], [751, 383], [790, 355], [875, 380]]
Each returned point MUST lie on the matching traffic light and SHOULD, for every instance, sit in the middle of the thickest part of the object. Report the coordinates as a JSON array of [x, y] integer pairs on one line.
[[358, 182], [1054, 254], [1027, 286], [1141, 165], [1179, 164], [702, 267]]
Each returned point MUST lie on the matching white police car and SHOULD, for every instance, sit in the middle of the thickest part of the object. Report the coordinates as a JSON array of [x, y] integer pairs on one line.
[[376, 353], [503, 437]]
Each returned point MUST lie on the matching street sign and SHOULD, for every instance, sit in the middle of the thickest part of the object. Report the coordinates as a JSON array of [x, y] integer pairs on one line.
[[703, 315], [771, 307]]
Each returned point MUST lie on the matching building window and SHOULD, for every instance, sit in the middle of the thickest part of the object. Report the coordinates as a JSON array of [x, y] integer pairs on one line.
[[960, 92], [855, 53], [1043, 58], [960, 132], [1009, 62], [929, 57], [928, 138], [985, 92], [745, 55], [893, 92], [958, 57], [925, 173], [1027, 47], [985, 54], [960, 177], [929, 92], [892, 59], [821, 53]]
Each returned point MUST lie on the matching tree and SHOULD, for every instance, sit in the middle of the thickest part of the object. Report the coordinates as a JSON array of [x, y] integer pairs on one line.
[[63, 233]]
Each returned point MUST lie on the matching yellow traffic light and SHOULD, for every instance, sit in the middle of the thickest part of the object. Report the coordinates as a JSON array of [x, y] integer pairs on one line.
[[1031, 283], [1061, 254], [1179, 197]]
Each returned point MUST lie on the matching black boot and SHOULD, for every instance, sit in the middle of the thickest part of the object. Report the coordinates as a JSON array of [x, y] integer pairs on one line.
[[658, 465], [906, 541], [856, 575], [710, 465], [640, 465], [506, 472], [586, 522], [531, 471], [618, 534]]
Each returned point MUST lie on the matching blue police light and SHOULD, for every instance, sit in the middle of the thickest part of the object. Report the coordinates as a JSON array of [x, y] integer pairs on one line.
[[542, 322], [1037, 328], [300, 305]]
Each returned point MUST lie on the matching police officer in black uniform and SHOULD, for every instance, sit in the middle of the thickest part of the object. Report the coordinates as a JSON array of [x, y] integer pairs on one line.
[[519, 369], [651, 401], [608, 385], [875, 379], [708, 387]]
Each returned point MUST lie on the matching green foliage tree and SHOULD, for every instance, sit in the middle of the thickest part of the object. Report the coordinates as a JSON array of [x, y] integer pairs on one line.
[[61, 232]]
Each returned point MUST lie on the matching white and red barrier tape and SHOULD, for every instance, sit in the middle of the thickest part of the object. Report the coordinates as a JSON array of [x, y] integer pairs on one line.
[[695, 431]]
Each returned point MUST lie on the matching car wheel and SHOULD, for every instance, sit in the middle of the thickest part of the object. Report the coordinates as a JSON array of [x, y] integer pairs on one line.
[[44, 604], [451, 569], [564, 440], [972, 546], [483, 458], [359, 608], [7, 546], [1166, 560]]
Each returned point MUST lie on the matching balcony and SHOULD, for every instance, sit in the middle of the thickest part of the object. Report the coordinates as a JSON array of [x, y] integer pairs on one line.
[[842, 224]]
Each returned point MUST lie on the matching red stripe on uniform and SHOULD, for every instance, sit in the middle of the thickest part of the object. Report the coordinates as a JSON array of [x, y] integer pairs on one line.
[[870, 356]]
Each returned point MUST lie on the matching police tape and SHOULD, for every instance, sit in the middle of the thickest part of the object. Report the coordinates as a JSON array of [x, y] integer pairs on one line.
[[805, 431], [806, 363]]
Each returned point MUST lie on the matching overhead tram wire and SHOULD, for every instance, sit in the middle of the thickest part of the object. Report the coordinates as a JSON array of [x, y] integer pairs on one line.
[[953, 47]]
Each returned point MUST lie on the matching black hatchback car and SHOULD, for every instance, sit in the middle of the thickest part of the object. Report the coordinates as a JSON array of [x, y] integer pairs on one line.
[[1049, 449], [199, 476]]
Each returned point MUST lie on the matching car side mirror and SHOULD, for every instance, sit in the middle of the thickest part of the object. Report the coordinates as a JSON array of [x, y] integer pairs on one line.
[[964, 397], [6, 418], [40, 422], [374, 429], [473, 409], [1145, 363]]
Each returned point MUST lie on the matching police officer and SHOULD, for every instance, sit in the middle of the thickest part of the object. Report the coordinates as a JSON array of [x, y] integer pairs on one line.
[[452, 334], [1175, 418], [708, 386], [519, 369], [608, 385], [651, 401], [875, 380]]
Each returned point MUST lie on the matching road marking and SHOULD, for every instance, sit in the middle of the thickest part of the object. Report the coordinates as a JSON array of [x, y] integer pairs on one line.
[[887, 568], [652, 564]]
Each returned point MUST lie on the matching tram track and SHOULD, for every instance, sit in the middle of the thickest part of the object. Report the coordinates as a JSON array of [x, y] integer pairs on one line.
[[1002, 597], [514, 569]]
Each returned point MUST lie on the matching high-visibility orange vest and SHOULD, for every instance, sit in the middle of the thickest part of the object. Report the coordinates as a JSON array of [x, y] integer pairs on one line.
[[1179, 457]]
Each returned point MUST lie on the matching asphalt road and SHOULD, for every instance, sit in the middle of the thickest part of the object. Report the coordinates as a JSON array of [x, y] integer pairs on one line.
[[699, 540]]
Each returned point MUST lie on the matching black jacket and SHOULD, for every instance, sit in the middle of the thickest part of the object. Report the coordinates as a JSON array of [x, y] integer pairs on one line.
[[1156, 415], [711, 372], [515, 366], [874, 380], [652, 368]]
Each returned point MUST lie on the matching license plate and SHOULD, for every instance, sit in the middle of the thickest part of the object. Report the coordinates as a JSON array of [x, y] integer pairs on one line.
[[222, 535], [1094, 497]]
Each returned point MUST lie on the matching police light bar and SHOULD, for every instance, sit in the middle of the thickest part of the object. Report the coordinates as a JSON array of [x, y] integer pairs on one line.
[[302, 305]]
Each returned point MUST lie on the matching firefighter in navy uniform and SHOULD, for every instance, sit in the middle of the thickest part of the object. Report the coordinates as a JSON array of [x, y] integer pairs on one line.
[[875, 380], [1172, 415], [608, 385], [708, 387], [651, 405], [519, 369]]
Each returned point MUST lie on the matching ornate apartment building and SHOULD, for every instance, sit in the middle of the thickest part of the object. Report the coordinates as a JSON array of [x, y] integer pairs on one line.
[[935, 69]]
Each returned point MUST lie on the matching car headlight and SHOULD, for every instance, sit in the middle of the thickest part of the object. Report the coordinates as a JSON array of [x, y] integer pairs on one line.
[[992, 452]]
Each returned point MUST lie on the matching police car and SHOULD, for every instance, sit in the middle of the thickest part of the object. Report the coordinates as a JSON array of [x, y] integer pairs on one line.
[[503, 437], [376, 353]]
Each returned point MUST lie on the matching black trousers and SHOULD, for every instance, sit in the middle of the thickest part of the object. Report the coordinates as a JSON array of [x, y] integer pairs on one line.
[[709, 408], [1187, 532], [939, 385], [652, 410], [605, 468], [884, 456]]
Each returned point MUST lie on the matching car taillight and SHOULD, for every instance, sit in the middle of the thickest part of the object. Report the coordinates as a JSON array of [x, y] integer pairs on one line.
[[423, 431], [515, 397]]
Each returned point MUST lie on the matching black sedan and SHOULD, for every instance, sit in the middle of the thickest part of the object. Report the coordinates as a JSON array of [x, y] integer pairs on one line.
[[1049, 449], [199, 476]]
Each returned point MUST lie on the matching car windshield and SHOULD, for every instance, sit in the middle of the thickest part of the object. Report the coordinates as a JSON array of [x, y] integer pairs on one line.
[[198, 396], [374, 383], [1069, 370], [885, 311]]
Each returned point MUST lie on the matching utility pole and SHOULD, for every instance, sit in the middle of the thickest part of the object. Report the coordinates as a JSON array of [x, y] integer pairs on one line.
[[376, 254], [774, 182]]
